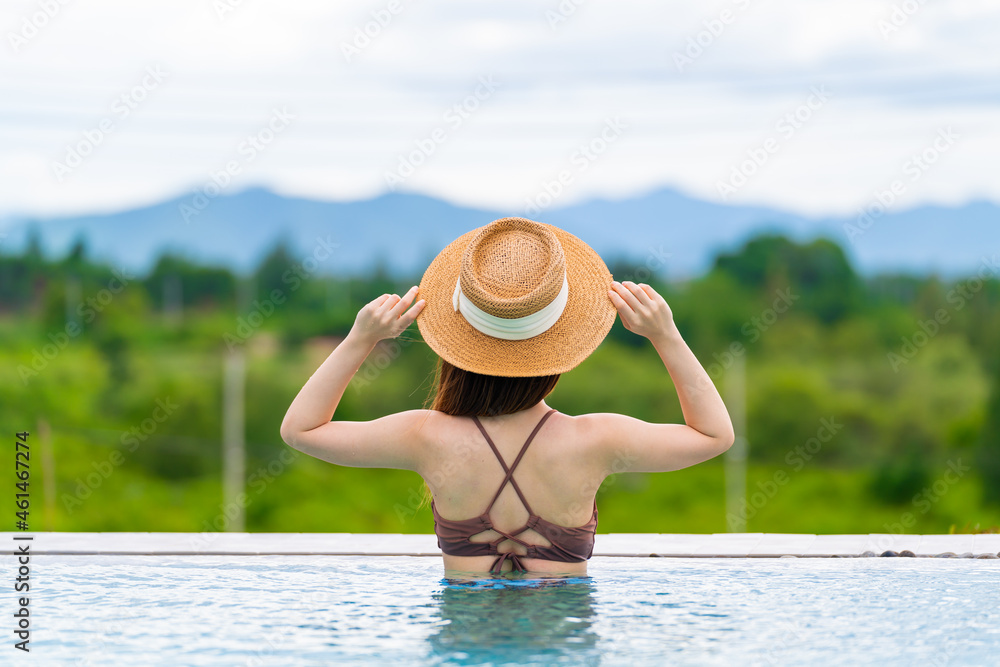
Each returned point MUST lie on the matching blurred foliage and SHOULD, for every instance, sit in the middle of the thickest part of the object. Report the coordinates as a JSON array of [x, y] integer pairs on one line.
[[194, 285], [969, 529], [127, 372], [818, 272], [988, 451]]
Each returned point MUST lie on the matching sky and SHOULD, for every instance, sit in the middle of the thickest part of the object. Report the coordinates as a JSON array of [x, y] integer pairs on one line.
[[814, 107]]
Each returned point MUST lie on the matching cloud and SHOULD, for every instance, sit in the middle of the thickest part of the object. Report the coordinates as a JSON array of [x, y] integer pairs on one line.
[[564, 68]]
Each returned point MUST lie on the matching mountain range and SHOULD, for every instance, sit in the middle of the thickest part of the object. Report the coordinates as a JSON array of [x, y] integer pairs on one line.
[[403, 231]]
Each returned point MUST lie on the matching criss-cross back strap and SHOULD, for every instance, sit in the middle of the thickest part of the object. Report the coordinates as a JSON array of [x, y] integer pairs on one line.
[[510, 471]]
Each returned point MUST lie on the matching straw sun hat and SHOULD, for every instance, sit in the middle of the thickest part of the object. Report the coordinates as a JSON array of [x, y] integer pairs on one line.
[[516, 298]]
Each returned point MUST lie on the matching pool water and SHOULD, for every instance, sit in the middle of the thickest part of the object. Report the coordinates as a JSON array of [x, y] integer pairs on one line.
[[400, 610]]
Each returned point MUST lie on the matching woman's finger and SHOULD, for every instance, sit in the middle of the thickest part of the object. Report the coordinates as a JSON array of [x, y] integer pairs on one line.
[[412, 313], [388, 303], [401, 305], [653, 295], [639, 293], [624, 310], [617, 300], [627, 296]]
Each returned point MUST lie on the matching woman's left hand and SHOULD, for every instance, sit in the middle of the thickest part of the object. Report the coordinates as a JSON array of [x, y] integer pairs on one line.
[[385, 317]]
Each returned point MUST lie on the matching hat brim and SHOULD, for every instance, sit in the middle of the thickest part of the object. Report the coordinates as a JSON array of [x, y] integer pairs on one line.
[[584, 323]]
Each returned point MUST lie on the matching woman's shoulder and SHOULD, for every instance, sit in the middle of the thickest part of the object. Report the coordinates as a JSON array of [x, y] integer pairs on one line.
[[591, 427], [597, 423], [602, 433], [589, 433]]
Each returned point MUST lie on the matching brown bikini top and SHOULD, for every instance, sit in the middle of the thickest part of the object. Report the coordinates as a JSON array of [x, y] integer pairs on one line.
[[568, 545]]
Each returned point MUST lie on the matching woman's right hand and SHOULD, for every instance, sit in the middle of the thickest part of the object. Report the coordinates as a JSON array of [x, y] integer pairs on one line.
[[386, 317], [642, 310]]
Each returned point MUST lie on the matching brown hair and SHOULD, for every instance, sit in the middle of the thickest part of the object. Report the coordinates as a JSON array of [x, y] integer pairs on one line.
[[464, 393]]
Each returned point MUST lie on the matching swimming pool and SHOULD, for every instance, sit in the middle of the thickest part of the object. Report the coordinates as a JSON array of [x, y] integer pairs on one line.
[[400, 610]]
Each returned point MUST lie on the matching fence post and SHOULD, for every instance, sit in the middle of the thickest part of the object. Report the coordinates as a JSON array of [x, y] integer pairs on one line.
[[48, 466], [233, 440], [736, 456]]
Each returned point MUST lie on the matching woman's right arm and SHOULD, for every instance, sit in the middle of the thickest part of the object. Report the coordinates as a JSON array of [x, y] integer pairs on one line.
[[632, 445]]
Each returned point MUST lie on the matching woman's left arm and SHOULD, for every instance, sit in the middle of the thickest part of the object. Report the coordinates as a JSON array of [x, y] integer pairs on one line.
[[388, 442]]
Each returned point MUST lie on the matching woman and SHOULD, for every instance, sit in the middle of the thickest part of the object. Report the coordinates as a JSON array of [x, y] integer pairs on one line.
[[508, 308]]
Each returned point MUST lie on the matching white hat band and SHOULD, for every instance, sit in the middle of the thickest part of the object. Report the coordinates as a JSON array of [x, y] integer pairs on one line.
[[517, 328]]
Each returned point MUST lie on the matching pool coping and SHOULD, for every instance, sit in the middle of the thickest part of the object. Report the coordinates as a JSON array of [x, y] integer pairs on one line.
[[680, 545]]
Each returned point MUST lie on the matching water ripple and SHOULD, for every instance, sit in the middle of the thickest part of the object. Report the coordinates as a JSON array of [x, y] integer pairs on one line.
[[355, 610]]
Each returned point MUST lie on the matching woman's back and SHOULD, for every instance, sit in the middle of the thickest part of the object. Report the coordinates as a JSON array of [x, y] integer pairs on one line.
[[556, 474]]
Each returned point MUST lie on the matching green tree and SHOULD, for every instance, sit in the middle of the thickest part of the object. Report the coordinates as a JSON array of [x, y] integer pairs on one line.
[[33, 246], [903, 470], [818, 272], [199, 285], [276, 271], [77, 255], [988, 452]]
